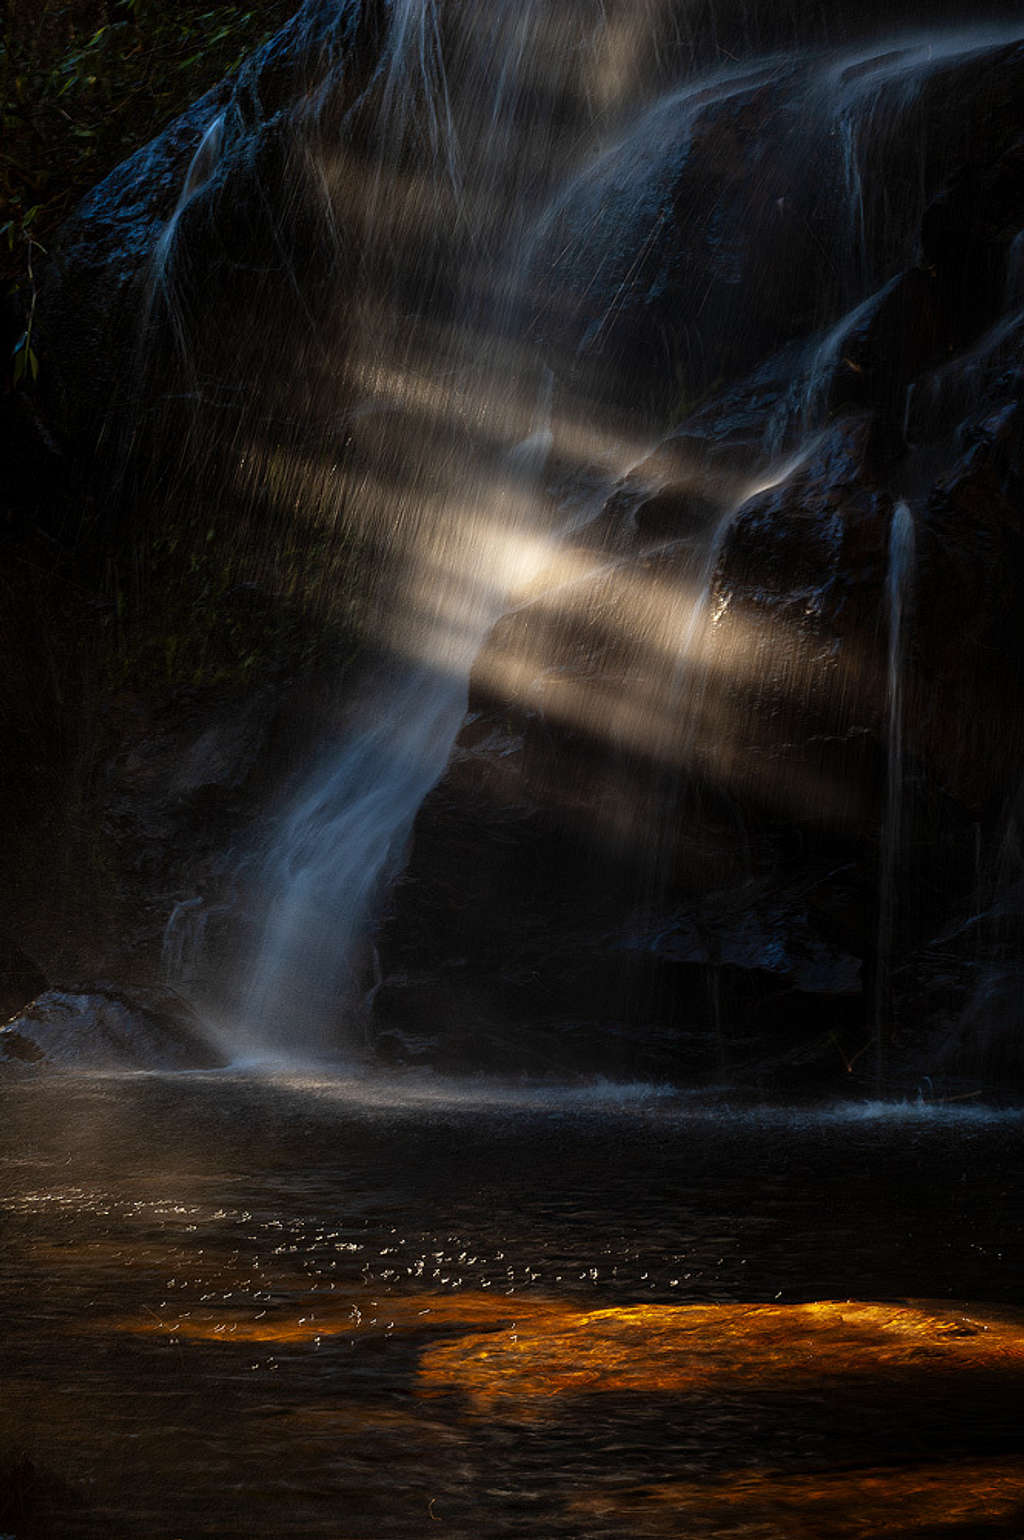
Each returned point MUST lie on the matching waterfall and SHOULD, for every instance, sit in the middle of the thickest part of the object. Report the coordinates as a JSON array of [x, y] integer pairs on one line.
[[160, 286], [528, 211], [898, 590], [451, 400], [344, 837]]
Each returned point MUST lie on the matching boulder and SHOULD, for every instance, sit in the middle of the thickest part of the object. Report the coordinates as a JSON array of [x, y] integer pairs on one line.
[[107, 1030]]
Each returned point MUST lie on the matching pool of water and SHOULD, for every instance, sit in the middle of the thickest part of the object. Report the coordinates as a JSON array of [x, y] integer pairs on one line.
[[256, 1305]]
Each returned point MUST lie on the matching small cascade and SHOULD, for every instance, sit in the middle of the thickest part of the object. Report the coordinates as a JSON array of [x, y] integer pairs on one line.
[[160, 288], [950, 393], [804, 407], [696, 639], [458, 522], [898, 592], [870, 93], [334, 854]]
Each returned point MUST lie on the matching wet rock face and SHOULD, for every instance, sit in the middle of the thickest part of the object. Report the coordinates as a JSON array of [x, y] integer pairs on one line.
[[656, 842], [116, 307], [968, 714], [679, 260], [172, 801], [179, 803], [718, 879], [695, 248], [798, 595]]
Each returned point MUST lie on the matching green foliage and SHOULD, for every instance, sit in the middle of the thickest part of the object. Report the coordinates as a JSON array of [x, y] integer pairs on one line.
[[83, 83]]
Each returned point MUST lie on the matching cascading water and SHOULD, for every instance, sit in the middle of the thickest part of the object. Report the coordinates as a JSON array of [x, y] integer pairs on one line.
[[473, 525], [161, 277], [527, 192], [950, 392], [344, 838], [634, 225], [870, 94]]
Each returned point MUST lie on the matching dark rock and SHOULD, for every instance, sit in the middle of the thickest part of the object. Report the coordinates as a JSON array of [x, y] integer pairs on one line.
[[799, 614], [761, 939], [946, 305], [909, 328], [693, 248], [967, 719], [20, 979], [674, 512], [686, 205], [229, 249], [966, 235], [197, 754], [107, 1031]]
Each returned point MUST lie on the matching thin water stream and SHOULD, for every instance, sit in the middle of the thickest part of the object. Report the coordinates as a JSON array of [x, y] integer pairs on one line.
[[316, 1307], [898, 594]]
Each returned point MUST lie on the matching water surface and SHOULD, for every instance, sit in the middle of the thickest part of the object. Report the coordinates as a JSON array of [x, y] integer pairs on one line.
[[239, 1305]]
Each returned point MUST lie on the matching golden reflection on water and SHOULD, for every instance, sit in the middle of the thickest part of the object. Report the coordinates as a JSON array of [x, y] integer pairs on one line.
[[353, 1313], [520, 1359], [521, 1355], [847, 1505], [673, 1349]]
